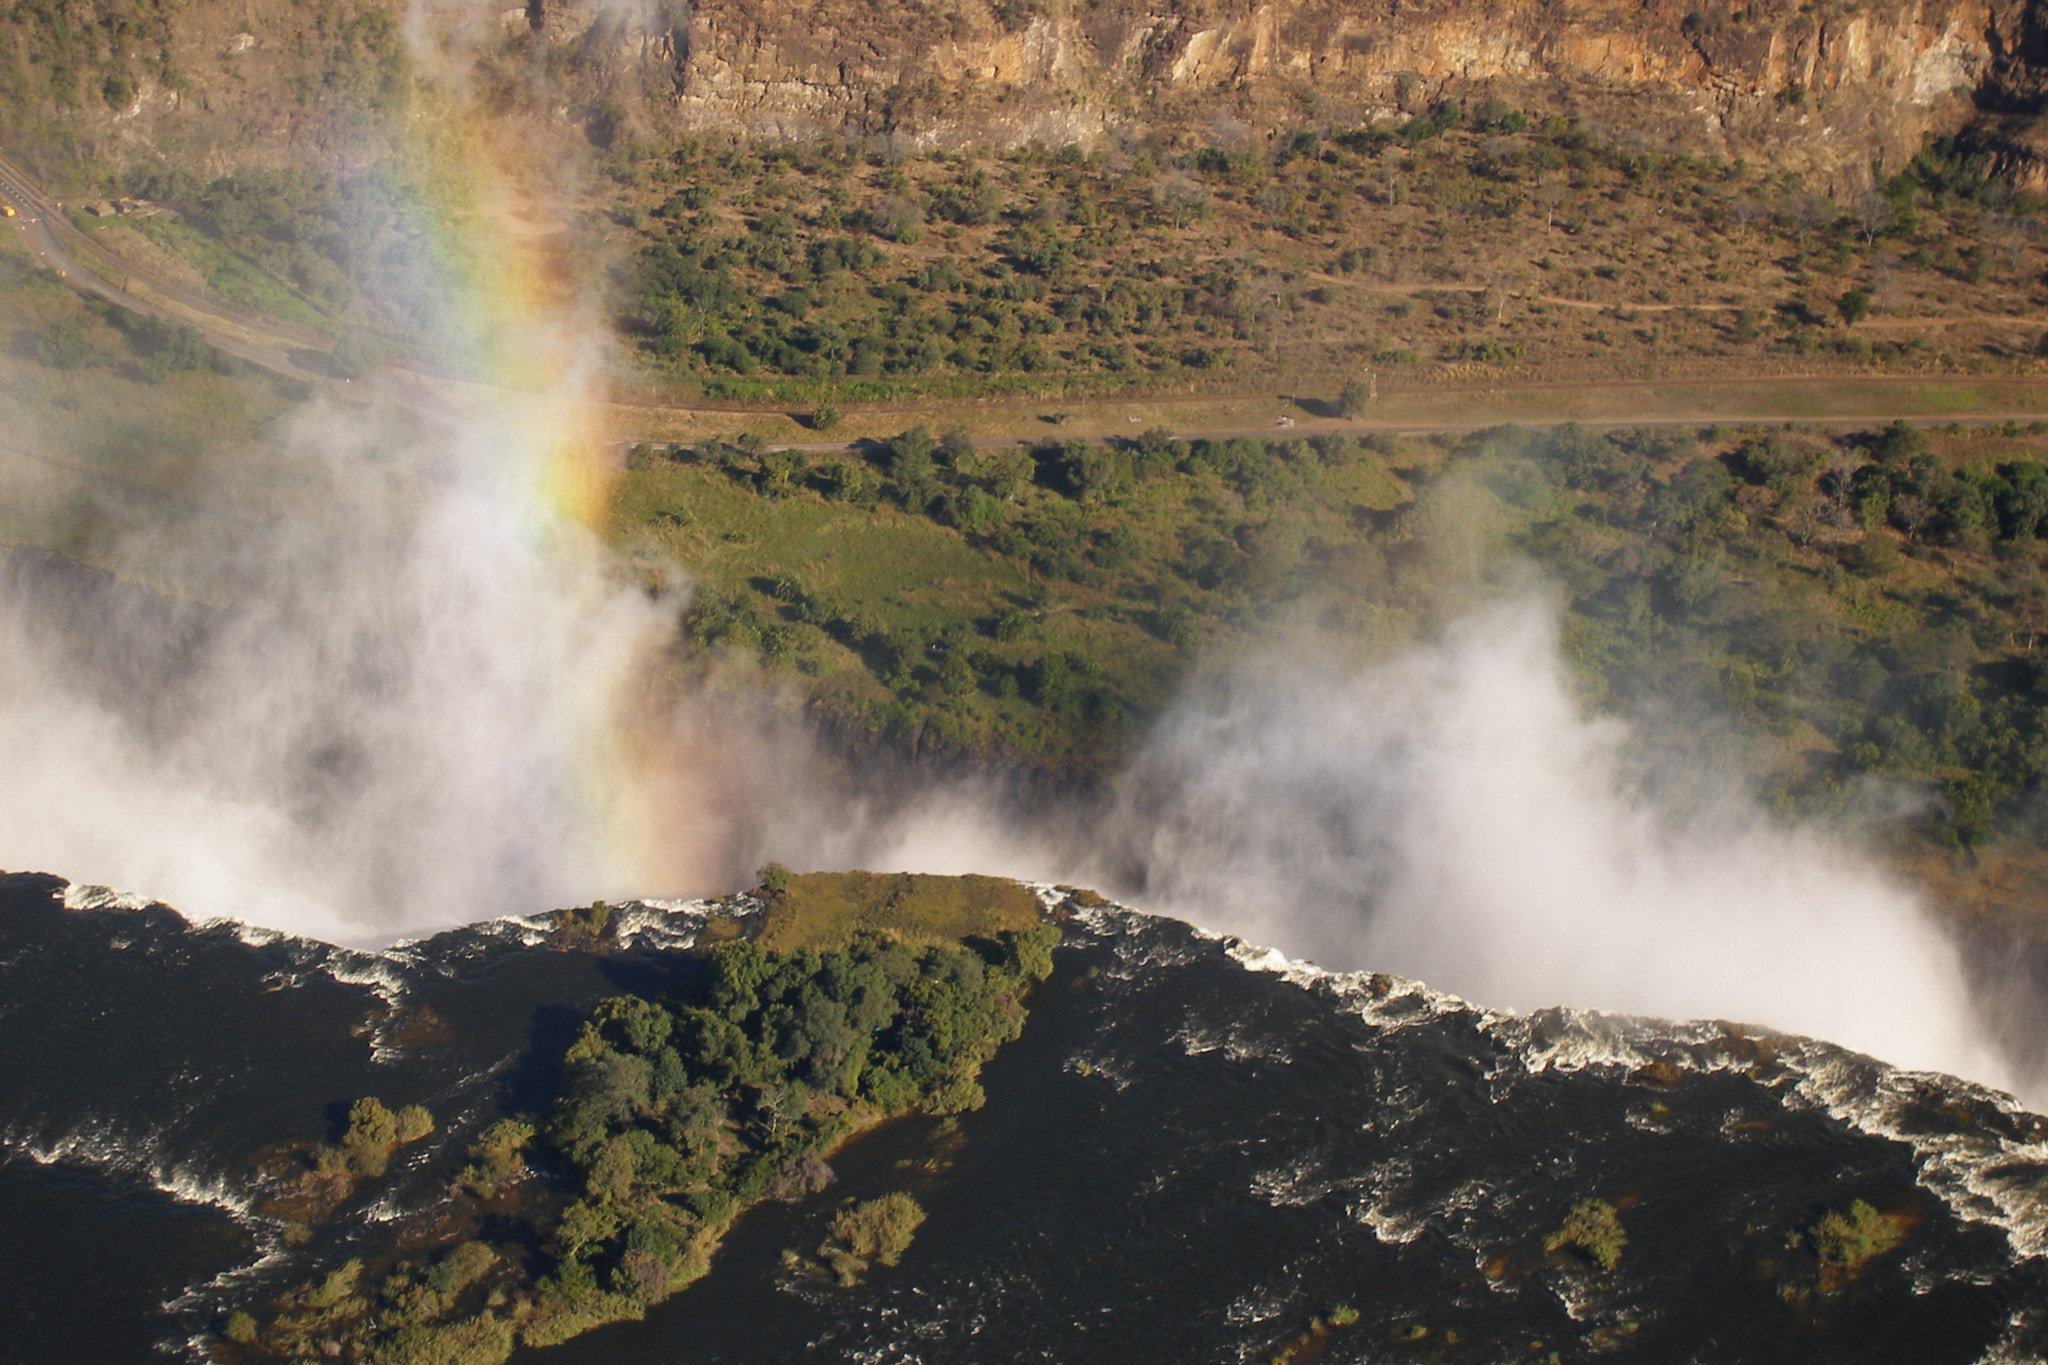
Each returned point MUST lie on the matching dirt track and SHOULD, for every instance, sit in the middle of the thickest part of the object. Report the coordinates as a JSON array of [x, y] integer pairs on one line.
[[1824, 398]]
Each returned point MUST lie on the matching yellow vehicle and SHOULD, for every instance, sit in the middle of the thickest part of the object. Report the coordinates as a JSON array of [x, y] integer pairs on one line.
[[7, 209]]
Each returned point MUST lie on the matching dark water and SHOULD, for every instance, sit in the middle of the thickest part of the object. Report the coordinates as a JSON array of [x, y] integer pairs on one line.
[[130, 1252], [1183, 1159]]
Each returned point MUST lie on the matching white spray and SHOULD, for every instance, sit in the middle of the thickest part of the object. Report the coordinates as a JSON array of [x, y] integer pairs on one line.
[[1454, 816], [381, 716]]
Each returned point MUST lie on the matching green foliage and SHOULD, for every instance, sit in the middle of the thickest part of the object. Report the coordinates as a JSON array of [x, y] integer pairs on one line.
[[168, 349], [1593, 1227], [413, 1123], [338, 1285], [373, 1134], [1846, 1240], [482, 1340], [497, 1158], [877, 1232], [65, 345], [371, 1138], [1738, 570], [358, 353], [674, 1116], [585, 924], [1355, 399]]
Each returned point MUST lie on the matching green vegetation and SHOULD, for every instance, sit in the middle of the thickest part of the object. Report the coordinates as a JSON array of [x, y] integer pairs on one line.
[[877, 1232], [1461, 243], [1844, 1241], [827, 911], [786, 272], [1860, 602], [374, 1133], [1592, 1228], [373, 1136], [675, 1116]]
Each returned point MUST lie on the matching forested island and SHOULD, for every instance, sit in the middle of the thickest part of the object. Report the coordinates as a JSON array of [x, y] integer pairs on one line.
[[837, 1003]]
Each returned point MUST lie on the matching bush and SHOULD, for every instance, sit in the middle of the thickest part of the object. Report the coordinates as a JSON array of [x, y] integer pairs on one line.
[[64, 345], [371, 1137], [1847, 1240], [1355, 399], [824, 417], [414, 1123], [877, 1232], [1874, 556], [1593, 1227], [498, 1156]]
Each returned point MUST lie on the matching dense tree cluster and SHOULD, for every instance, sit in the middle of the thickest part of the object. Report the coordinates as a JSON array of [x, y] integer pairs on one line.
[[1877, 589], [676, 1115], [673, 1117]]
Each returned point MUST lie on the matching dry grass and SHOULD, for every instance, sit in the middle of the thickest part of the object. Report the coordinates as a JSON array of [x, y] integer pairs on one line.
[[823, 911]]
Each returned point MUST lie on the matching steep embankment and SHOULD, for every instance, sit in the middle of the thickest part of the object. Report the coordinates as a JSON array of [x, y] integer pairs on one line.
[[1820, 89]]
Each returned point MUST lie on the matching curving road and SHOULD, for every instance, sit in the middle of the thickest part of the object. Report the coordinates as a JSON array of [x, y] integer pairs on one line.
[[92, 269]]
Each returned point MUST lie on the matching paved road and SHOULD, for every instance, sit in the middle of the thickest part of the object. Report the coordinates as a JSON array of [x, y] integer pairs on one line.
[[92, 269]]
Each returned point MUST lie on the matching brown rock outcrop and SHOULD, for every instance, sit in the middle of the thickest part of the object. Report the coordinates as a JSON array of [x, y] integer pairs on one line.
[[1825, 88]]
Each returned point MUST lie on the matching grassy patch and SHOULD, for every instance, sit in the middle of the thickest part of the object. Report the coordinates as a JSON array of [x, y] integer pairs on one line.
[[824, 911]]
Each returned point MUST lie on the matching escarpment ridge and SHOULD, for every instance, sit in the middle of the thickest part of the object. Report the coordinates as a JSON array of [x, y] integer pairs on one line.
[[1827, 90]]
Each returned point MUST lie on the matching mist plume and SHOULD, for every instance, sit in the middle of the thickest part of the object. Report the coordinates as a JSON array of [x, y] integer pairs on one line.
[[1453, 815]]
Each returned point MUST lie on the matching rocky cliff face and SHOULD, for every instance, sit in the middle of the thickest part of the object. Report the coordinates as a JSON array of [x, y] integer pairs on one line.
[[1825, 89]]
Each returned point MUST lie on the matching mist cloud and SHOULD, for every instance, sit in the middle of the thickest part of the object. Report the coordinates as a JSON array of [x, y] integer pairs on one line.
[[1454, 816], [382, 701]]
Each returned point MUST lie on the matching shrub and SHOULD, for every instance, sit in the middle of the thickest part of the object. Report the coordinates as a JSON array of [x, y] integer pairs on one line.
[[414, 1123], [371, 1137], [64, 345], [1847, 1240], [1873, 556], [1593, 1227], [877, 1232], [359, 353], [1355, 398], [498, 1156]]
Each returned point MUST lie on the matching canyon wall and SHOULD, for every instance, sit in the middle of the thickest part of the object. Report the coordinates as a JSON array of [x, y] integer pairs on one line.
[[1818, 89], [1824, 89]]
